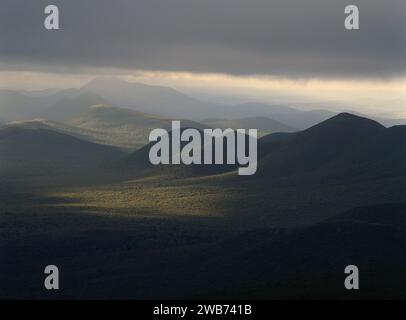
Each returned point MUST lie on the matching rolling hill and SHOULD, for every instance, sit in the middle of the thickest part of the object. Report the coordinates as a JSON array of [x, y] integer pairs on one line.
[[344, 162], [320, 147], [51, 125], [30, 153], [323, 198], [62, 104], [336, 145], [302, 177], [122, 127], [105, 124]]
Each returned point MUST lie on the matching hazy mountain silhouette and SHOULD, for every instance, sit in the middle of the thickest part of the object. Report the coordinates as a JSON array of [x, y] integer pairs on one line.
[[17, 106], [262, 124], [26, 105], [42, 93], [158, 100], [61, 104], [69, 107], [170, 103], [287, 115]]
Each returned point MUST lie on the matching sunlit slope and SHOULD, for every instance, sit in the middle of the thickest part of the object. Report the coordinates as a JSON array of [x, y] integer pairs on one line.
[[123, 127], [302, 178]]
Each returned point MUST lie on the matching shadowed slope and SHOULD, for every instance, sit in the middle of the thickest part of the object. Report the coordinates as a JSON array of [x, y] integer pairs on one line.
[[317, 147], [49, 154]]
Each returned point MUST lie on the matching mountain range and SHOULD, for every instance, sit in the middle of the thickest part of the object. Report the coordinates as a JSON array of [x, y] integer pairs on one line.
[[343, 142], [77, 188], [346, 161], [60, 105], [63, 104]]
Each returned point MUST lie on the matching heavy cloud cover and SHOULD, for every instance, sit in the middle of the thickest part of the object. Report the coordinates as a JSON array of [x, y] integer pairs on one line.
[[292, 38]]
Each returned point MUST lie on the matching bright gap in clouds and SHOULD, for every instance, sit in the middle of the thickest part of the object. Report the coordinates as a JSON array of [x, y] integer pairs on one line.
[[385, 97]]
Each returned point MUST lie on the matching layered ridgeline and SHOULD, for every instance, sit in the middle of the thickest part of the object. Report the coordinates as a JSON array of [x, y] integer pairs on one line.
[[302, 177], [344, 162], [322, 198], [264, 125], [60, 105], [122, 127], [105, 124], [170, 103], [341, 163], [343, 143], [292, 117], [159, 100]]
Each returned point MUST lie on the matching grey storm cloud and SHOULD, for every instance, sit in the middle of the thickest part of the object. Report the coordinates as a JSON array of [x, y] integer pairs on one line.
[[293, 38]]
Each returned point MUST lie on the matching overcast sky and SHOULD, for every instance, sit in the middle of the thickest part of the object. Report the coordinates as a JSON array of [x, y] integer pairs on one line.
[[297, 50], [293, 38]]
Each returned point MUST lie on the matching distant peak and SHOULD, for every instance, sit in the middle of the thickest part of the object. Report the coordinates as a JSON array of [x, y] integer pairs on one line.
[[345, 124], [346, 118], [347, 115]]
